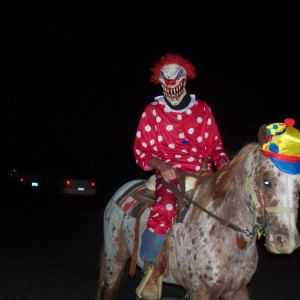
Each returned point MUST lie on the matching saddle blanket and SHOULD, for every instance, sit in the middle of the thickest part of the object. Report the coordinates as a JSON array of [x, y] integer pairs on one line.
[[131, 206], [127, 203]]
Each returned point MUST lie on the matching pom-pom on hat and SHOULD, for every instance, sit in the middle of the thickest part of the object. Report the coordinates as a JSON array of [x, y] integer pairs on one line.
[[283, 147]]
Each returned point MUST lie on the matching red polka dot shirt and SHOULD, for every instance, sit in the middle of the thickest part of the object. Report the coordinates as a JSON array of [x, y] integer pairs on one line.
[[181, 138]]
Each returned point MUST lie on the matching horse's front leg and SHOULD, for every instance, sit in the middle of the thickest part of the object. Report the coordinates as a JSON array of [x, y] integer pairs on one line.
[[241, 294], [202, 292], [205, 293]]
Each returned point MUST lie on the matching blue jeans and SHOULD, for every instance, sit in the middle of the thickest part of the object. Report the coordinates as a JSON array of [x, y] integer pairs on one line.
[[151, 244]]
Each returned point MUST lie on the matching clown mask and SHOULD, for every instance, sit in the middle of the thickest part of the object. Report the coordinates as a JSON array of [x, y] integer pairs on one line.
[[172, 72], [173, 80]]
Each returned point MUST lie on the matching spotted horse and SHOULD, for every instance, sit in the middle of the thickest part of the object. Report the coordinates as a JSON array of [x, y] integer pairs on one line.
[[212, 252]]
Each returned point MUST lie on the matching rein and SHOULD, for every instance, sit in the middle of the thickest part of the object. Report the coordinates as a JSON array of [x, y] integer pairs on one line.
[[181, 195], [260, 211]]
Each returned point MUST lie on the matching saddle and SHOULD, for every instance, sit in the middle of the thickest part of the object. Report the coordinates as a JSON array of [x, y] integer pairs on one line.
[[188, 183]]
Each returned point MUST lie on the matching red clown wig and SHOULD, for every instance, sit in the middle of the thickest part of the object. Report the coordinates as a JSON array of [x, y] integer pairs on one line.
[[173, 59]]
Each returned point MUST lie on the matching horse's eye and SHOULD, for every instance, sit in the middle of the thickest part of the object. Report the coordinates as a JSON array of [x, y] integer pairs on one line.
[[267, 182]]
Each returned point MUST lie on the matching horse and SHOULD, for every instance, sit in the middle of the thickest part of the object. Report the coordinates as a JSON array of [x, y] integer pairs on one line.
[[212, 250]]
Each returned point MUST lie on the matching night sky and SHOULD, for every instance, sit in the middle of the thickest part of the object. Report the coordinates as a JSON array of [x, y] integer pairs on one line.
[[76, 74]]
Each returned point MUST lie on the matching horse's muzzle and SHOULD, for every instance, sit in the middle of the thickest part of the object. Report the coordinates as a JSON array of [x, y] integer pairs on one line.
[[282, 244]]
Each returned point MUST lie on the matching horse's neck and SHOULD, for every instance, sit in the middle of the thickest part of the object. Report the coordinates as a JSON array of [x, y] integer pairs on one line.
[[225, 196]]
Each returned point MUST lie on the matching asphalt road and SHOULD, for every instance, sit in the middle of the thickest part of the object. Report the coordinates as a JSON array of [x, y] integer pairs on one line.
[[50, 246]]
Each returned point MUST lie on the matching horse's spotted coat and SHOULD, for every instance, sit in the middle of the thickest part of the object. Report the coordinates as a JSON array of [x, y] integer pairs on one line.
[[213, 260]]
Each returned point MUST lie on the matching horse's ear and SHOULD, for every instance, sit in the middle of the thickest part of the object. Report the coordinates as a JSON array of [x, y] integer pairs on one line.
[[263, 136]]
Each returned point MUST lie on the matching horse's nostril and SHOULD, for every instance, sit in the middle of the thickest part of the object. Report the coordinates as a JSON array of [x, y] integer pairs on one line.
[[279, 241]]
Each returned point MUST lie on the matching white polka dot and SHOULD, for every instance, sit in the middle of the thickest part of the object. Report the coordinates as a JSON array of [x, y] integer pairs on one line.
[[177, 156], [199, 120], [184, 150], [191, 131], [138, 134], [143, 115], [155, 216], [218, 148], [142, 155], [151, 229], [162, 225], [190, 159], [188, 112], [199, 139], [159, 138], [177, 166], [169, 191], [159, 186], [158, 119], [169, 127], [216, 138], [206, 135], [197, 168], [179, 117], [154, 112], [209, 121], [148, 128], [158, 199], [144, 145], [138, 151], [181, 135], [152, 142], [155, 148], [194, 149], [169, 206], [171, 146]]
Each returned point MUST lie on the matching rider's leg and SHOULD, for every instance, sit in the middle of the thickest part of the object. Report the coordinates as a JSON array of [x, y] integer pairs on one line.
[[161, 218]]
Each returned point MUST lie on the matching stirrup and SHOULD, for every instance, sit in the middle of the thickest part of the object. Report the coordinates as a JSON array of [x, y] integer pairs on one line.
[[147, 273]]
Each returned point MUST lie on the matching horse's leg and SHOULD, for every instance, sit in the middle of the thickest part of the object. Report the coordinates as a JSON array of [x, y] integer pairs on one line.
[[101, 269], [112, 267], [205, 293], [241, 294], [110, 278]]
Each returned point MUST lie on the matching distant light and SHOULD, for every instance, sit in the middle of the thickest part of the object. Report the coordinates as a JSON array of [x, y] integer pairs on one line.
[[68, 182]]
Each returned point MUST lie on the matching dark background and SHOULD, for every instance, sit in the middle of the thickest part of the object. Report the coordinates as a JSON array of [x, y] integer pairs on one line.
[[76, 74]]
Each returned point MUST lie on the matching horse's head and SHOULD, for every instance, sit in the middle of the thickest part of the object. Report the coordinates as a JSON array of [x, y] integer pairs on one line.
[[276, 186]]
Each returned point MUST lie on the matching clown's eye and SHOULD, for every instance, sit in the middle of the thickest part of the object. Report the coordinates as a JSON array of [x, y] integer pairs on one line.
[[162, 75], [180, 74], [267, 182]]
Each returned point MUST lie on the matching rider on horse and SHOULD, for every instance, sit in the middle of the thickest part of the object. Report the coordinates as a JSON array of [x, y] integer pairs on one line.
[[176, 131]]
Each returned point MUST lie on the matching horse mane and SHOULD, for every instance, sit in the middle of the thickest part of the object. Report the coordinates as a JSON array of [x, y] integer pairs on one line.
[[230, 180]]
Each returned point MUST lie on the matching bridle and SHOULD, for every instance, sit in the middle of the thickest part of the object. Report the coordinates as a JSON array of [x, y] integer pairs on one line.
[[261, 212]]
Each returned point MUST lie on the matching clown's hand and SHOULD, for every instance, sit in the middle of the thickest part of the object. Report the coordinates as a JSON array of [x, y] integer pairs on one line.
[[168, 173]]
